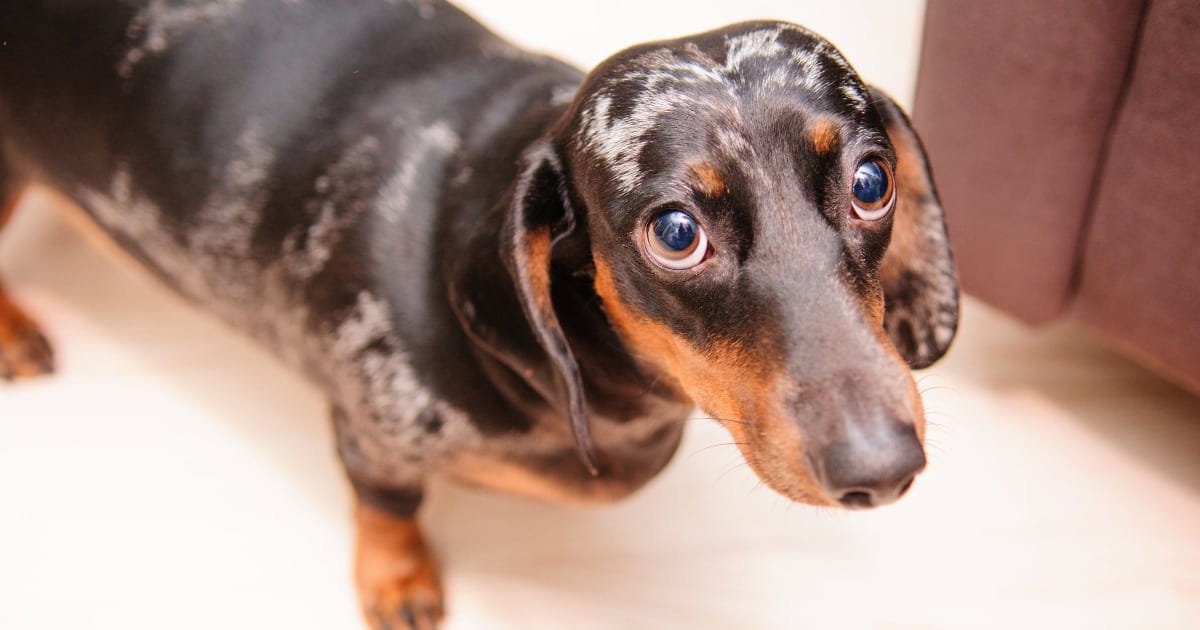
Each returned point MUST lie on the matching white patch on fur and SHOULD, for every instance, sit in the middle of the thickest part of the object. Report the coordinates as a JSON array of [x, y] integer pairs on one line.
[[855, 96], [383, 398], [563, 94], [664, 83], [342, 196], [850, 90], [762, 44], [619, 142], [158, 25], [225, 226], [808, 64], [431, 144], [370, 320], [661, 70], [139, 220], [733, 141], [213, 268], [826, 50]]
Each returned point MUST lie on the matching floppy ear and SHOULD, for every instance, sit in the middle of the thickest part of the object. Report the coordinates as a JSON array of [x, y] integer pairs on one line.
[[520, 233], [540, 212], [920, 284]]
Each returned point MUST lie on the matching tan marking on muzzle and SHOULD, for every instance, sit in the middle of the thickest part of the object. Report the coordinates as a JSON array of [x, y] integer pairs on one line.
[[740, 386]]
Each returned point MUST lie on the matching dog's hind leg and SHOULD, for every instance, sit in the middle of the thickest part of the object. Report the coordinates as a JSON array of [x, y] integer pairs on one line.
[[24, 351]]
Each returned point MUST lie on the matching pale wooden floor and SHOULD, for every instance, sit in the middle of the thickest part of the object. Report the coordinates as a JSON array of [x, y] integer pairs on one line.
[[171, 476]]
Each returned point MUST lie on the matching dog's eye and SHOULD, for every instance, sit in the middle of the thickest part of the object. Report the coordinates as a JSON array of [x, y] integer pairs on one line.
[[874, 190], [675, 240]]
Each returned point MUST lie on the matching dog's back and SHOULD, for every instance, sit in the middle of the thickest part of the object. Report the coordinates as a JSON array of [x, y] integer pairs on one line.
[[254, 153]]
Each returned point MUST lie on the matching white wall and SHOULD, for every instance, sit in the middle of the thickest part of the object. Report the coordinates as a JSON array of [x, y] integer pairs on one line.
[[881, 38]]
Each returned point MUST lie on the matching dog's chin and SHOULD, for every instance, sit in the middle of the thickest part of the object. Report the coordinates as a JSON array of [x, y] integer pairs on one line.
[[789, 478]]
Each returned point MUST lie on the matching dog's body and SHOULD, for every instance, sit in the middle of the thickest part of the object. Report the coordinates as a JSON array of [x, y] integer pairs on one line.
[[270, 198], [384, 192]]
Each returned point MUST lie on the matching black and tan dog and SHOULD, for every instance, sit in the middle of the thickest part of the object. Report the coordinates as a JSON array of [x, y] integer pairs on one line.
[[499, 269]]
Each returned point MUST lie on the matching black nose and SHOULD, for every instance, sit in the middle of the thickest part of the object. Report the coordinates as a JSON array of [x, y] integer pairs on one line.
[[870, 470]]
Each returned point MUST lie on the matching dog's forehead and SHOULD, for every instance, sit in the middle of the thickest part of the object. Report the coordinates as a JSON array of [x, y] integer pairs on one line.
[[713, 74]]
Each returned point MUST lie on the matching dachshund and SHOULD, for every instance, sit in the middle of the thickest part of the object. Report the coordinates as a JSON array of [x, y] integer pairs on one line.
[[500, 269]]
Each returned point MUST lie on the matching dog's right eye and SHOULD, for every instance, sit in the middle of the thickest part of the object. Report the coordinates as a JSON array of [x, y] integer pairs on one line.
[[674, 240]]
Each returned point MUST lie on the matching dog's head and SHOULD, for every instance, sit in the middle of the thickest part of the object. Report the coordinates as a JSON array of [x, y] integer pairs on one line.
[[764, 234]]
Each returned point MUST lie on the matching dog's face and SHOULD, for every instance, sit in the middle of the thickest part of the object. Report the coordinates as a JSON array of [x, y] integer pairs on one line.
[[764, 234]]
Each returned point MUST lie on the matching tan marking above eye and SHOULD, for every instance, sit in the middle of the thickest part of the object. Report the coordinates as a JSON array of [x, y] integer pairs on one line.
[[708, 179], [824, 135]]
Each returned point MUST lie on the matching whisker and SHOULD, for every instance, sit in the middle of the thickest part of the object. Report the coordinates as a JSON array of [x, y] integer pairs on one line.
[[740, 464], [940, 427], [778, 499], [701, 450], [721, 420]]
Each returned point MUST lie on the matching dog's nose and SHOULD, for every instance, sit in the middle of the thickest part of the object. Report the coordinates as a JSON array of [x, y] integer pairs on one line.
[[869, 470]]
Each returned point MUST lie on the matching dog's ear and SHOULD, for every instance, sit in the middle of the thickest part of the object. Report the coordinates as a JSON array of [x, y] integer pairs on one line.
[[537, 215], [920, 285]]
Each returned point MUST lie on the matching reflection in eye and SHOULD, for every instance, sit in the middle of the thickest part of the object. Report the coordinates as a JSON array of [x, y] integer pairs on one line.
[[874, 190], [675, 240]]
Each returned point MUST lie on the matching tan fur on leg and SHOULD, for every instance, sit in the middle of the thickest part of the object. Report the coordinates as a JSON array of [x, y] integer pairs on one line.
[[397, 577]]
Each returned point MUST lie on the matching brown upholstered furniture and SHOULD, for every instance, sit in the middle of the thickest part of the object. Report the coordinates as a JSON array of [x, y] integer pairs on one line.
[[1065, 138]]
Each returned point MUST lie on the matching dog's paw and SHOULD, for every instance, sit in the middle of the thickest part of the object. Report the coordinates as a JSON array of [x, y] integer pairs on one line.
[[398, 582], [24, 351], [404, 605]]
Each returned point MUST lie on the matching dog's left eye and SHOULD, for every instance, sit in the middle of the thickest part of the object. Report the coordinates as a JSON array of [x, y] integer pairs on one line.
[[675, 240], [874, 190]]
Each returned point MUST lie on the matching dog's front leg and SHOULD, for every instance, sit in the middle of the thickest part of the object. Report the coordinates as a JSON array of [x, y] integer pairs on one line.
[[397, 578], [24, 352]]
